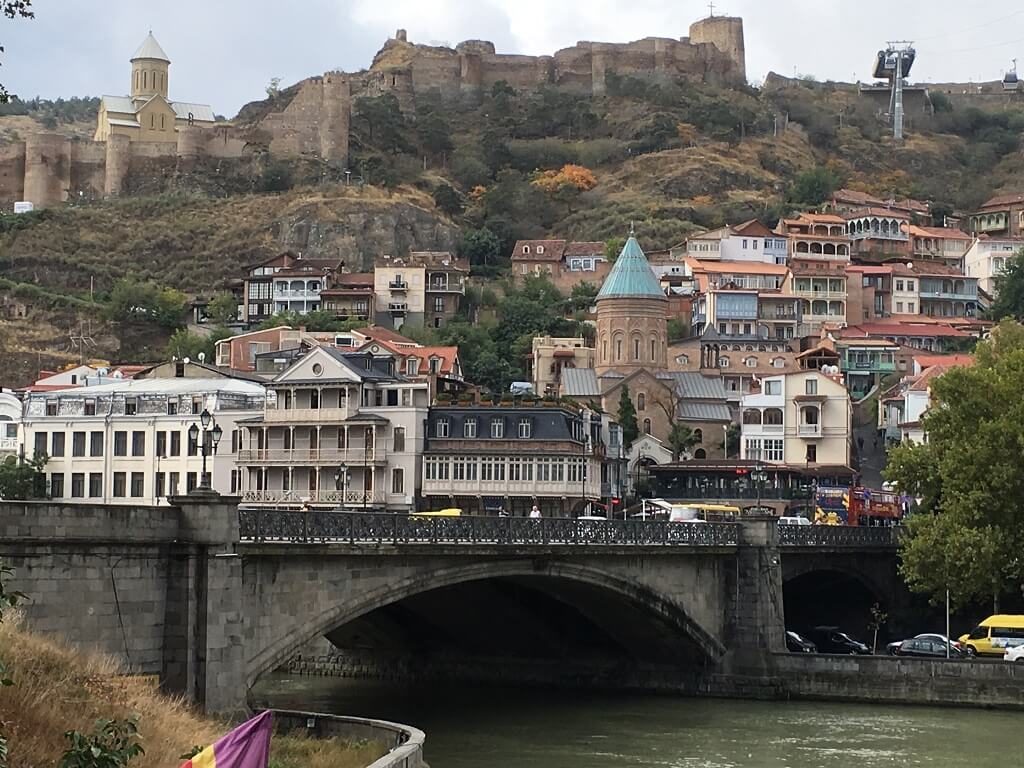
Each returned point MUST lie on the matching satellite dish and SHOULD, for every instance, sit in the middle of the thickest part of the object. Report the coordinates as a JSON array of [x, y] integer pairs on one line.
[[910, 265], [202, 357], [186, 361]]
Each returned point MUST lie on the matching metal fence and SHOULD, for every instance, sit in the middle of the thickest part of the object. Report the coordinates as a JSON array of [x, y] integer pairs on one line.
[[838, 536], [321, 527]]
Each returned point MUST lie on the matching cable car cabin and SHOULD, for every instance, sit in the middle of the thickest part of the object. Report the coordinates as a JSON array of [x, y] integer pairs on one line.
[[1010, 81], [886, 63], [870, 507]]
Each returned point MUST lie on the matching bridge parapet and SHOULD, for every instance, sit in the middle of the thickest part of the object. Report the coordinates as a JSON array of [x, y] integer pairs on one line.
[[321, 527], [845, 536]]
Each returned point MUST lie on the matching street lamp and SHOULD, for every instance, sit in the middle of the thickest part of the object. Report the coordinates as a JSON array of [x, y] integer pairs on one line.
[[583, 465], [758, 476], [211, 435], [342, 477]]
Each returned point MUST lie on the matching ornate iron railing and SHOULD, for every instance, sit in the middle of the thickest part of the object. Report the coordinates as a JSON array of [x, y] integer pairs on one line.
[[318, 527], [838, 536]]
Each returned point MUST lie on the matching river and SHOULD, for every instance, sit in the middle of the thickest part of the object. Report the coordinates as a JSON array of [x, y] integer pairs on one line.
[[486, 727]]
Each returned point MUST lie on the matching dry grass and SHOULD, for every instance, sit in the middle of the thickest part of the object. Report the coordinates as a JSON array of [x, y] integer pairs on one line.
[[58, 689]]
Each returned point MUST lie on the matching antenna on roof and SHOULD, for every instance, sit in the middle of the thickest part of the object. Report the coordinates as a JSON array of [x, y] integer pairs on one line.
[[632, 231]]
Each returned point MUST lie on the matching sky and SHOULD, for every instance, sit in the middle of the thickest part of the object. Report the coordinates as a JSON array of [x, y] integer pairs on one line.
[[225, 52]]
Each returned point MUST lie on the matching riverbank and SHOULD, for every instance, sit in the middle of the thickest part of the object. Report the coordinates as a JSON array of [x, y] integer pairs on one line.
[[58, 689]]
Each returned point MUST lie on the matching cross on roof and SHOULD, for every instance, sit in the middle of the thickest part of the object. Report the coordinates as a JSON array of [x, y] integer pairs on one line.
[[711, 9]]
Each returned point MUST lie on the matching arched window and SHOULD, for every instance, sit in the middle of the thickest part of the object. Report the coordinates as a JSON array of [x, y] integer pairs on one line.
[[604, 349], [618, 349], [654, 347], [641, 402], [636, 349], [647, 426], [772, 415], [698, 435], [700, 453], [145, 79], [810, 415], [752, 416]]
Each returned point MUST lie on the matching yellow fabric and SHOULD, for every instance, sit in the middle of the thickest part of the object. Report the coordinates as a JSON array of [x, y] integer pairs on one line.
[[205, 759]]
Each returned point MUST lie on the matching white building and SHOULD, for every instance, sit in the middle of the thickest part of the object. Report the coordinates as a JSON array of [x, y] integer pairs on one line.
[[340, 429], [749, 241], [800, 418], [987, 257], [126, 441], [10, 424]]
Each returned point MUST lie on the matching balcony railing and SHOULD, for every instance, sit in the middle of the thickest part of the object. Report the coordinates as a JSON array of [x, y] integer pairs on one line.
[[869, 365], [559, 488], [8, 445], [329, 456], [398, 285], [316, 527], [353, 497], [808, 430], [444, 287], [949, 295], [308, 294], [669, 492], [320, 415], [398, 307]]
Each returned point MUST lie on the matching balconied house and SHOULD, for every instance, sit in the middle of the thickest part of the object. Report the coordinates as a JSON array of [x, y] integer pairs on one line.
[[878, 231], [422, 288], [869, 292], [340, 429], [999, 216], [803, 417], [933, 289], [821, 287], [864, 362], [848, 200], [127, 441], [749, 241], [942, 244], [816, 237], [350, 296], [510, 457], [901, 407], [988, 256], [285, 283]]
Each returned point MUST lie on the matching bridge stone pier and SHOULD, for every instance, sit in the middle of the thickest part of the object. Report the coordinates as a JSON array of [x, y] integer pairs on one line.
[[209, 598]]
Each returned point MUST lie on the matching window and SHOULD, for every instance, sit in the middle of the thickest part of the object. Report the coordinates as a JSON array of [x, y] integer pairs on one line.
[[56, 486], [641, 401], [772, 450], [811, 387], [159, 481], [899, 307], [910, 307], [78, 485], [773, 387], [236, 480], [910, 285], [899, 285], [398, 480], [172, 407], [120, 443], [439, 303], [525, 428], [57, 444], [647, 426], [812, 454], [191, 481], [95, 443], [753, 448], [89, 409], [698, 435], [138, 443], [723, 362], [398, 439], [441, 428], [120, 484], [78, 444], [435, 365], [175, 443], [469, 428], [540, 250], [497, 428], [618, 349], [51, 407], [636, 349], [193, 445], [750, 362], [172, 484], [131, 406], [39, 446], [411, 366], [138, 485]]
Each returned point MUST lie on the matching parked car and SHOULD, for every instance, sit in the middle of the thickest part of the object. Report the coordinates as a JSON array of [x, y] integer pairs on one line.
[[797, 644], [833, 640], [891, 648], [795, 520], [1016, 653], [928, 648], [994, 635]]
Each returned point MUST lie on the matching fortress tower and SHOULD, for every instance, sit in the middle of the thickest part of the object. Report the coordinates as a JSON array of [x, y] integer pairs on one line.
[[726, 34], [632, 316], [149, 71]]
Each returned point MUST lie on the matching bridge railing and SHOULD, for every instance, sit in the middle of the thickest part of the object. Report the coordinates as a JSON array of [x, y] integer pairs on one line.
[[839, 536], [319, 527]]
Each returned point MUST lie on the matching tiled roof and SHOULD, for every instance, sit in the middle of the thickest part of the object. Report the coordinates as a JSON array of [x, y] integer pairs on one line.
[[447, 356], [817, 218], [380, 333], [869, 270], [875, 210], [689, 411], [944, 233], [736, 267], [923, 382], [202, 112], [631, 276], [997, 201], [753, 228], [580, 382], [553, 250], [924, 269], [585, 248], [853, 196], [691, 384], [906, 329], [150, 49], [122, 104], [948, 361]]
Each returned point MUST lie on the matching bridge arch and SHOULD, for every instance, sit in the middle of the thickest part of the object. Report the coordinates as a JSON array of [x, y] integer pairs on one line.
[[666, 615], [817, 593]]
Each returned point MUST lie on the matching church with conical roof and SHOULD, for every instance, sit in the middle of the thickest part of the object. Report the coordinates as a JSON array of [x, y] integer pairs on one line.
[[148, 114]]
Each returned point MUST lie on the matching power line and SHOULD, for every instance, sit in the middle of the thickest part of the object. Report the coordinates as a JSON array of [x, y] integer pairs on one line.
[[971, 29], [983, 47]]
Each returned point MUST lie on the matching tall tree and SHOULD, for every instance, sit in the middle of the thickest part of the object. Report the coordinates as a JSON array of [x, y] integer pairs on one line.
[[1009, 285], [969, 533], [627, 419], [681, 438]]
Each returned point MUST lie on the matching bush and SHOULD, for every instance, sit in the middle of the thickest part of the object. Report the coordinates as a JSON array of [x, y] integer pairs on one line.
[[469, 169], [276, 177]]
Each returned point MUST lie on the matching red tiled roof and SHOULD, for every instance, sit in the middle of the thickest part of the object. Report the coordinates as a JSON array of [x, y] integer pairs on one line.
[[753, 228], [923, 381], [924, 269], [447, 356], [942, 233], [585, 248], [380, 333], [853, 196], [998, 201], [947, 361], [875, 210], [553, 250], [736, 267], [905, 329]]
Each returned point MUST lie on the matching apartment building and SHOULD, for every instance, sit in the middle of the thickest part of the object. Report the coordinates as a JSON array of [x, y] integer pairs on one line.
[[987, 256], [127, 441], [350, 296], [422, 288], [869, 292], [749, 241], [933, 289], [511, 457], [821, 287], [999, 216], [816, 236], [565, 262], [285, 283], [878, 231], [550, 356], [942, 244], [798, 418], [340, 430]]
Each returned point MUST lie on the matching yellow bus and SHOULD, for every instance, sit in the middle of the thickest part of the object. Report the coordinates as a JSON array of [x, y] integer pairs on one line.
[[451, 512], [994, 635]]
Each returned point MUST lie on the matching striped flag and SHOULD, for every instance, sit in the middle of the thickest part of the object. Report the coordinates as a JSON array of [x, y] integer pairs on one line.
[[247, 746]]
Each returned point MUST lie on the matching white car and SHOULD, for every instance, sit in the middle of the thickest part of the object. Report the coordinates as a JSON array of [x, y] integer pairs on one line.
[[1014, 654], [795, 520]]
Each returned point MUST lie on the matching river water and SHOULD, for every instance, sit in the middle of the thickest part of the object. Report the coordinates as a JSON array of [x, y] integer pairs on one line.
[[486, 727]]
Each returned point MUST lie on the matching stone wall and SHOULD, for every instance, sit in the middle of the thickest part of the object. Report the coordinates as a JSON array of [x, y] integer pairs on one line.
[[892, 680]]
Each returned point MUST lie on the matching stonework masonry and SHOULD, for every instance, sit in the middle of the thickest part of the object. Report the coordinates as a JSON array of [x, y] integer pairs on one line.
[[49, 169]]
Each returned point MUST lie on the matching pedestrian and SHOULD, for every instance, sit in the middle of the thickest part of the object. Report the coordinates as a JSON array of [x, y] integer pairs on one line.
[[860, 443], [535, 511]]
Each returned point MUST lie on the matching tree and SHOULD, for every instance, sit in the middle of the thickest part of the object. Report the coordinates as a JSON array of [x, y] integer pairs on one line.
[[434, 133], [582, 297], [183, 343], [448, 200], [1009, 285], [878, 619], [14, 9], [23, 479], [222, 309], [731, 445], [627, 419], [480, 246], [274, 88], [969, 531], [134, 301], [613, 247], [812, 187], [566, 184], [677, 330], [382, 118], [681, 439]]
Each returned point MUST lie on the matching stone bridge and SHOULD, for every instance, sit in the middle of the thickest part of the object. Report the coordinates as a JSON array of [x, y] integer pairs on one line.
[[210, 598]]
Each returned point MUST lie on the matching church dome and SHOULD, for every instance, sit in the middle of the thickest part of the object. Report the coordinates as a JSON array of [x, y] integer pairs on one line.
[[631, 276], [150, 49]]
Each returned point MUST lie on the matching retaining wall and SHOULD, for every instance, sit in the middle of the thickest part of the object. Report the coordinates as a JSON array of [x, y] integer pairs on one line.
[[893, 680], [405, 743]]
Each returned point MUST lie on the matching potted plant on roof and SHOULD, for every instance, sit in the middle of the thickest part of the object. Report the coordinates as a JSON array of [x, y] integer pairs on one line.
[[443, 398], [549, 401], [465, 398], [529, 400], [507, 398]]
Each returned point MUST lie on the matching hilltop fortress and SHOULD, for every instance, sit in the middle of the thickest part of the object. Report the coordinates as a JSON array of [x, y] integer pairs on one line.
[[146, 136]]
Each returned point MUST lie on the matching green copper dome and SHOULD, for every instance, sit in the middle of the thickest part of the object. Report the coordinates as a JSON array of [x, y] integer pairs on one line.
[[631, 275]]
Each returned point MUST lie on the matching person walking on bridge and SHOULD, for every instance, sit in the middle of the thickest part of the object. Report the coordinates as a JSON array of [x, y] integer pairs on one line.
[[535, 512]]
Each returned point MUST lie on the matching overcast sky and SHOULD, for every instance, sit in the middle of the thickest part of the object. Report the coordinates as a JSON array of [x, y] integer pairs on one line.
[[224, 52]]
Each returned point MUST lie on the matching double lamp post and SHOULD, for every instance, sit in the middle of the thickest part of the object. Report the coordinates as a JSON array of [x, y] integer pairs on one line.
[[211, 433]]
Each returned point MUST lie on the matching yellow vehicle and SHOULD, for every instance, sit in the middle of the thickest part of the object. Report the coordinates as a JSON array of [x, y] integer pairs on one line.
[[715, 510], [994, 635], [451, 512]]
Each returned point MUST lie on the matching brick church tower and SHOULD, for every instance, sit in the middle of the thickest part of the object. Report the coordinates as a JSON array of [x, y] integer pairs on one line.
[[632, 316]]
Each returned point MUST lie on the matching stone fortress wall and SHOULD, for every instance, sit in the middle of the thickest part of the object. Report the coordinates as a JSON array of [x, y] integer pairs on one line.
[[48, 168]]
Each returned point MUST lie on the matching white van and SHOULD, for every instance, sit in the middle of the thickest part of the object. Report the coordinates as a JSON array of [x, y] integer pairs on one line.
[[796, 520]]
